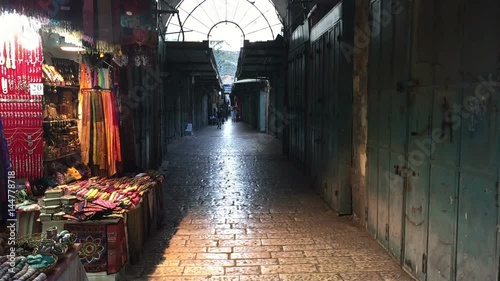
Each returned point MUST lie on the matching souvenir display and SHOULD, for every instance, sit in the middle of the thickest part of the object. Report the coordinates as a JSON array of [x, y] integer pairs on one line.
[[51, 75], [68, 70], [97, 198], [20, 105], [26, 268], [41, 261], [99, 118], [61, 137]]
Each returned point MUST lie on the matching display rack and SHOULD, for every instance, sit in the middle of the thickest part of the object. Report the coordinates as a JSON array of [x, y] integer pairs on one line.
[[60, 124]]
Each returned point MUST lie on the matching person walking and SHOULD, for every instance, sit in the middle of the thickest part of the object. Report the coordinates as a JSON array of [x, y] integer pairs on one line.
[[219, 119]]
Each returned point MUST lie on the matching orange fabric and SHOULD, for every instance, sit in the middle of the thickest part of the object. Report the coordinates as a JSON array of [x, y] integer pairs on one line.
[[99, 121]]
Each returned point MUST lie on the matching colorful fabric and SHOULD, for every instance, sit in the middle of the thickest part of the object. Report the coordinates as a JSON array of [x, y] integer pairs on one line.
[[117, 247], [100, 136], [84, 101], [93, 251], [103, 246]]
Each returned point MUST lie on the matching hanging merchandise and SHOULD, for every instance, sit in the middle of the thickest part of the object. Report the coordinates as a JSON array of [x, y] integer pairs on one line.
[[21, 102], [139, 56], [99, 135], [120, 59]]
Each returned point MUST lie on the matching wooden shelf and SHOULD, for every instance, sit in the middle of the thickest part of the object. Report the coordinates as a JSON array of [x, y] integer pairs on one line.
[[72, 88], [62, 157], [60, 120]]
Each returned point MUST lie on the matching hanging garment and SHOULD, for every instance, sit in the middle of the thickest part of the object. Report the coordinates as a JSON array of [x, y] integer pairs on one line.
[[100, 136], [86, 127], [85, 112], [109, 131], [99, 133], [116, 125]]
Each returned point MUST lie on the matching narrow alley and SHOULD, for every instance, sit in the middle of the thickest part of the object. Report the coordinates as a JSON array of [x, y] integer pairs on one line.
[[238, 210], [361, 142]]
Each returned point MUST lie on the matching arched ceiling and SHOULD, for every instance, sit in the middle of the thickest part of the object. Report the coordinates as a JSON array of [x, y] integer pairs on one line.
[[279, 4], [234, 20]]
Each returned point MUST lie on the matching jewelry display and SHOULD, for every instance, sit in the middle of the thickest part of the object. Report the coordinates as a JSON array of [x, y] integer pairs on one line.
[[21, 113], [7, 54], [5, 86], [13, 53]]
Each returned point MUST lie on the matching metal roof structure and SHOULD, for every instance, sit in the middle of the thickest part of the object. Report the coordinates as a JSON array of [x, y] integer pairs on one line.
[[260, 59], [195, 58]]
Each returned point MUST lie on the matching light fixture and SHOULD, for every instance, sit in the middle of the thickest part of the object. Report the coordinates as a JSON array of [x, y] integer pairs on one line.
[[72, 49], [129, 13]]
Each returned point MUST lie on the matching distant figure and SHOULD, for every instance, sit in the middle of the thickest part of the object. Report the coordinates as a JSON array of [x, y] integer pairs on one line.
[[219, 118]]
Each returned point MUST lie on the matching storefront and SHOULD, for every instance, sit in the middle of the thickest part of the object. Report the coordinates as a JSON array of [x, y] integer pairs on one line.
[[64, 120]]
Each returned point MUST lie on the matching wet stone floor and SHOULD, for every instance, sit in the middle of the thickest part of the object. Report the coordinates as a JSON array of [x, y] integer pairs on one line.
[[237, 210]]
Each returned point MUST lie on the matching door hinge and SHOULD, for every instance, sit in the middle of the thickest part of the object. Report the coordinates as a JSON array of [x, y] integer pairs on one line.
[[387, 232], [424, 263]]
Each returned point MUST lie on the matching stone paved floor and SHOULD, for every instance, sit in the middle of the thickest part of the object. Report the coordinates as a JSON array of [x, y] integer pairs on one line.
[[238, 211]]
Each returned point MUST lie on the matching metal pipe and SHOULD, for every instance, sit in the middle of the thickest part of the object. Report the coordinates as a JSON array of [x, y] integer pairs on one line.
[[182, 29]]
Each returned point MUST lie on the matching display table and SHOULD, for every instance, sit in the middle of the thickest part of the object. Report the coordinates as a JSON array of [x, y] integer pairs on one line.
[[103, 245], [69, 267], [106, 245], [143, 221]]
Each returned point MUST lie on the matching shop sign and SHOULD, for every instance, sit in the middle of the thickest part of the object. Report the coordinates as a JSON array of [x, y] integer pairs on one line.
[[36, 89], [228, 88]]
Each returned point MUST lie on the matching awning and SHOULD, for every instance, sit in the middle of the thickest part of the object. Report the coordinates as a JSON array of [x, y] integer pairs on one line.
[[261, 59], [193, 58]]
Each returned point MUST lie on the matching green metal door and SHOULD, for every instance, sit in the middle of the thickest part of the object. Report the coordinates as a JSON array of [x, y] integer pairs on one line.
[[331, 109]]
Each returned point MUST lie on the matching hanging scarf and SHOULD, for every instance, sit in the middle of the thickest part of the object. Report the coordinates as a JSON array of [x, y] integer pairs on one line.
[[109, 132], [99, 147], [85, 113]]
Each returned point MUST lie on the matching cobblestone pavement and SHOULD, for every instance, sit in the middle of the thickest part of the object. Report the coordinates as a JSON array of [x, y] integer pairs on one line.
[[239, 211]]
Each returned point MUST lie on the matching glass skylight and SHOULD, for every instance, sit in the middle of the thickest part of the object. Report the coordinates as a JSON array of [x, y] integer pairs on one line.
[[228, 20]]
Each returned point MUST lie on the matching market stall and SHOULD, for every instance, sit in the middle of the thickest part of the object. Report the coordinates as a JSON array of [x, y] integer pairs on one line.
[[101, 211], [44, 256], [62, 133]]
